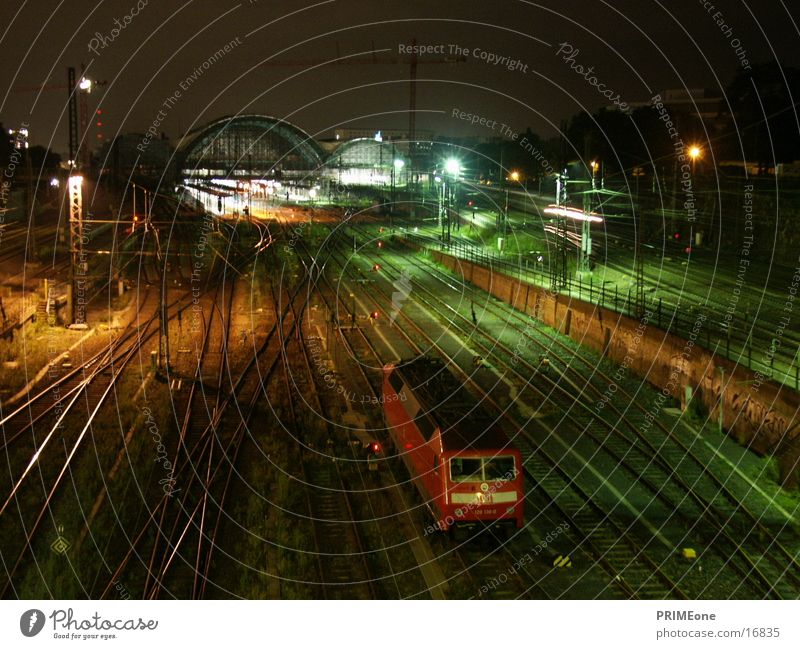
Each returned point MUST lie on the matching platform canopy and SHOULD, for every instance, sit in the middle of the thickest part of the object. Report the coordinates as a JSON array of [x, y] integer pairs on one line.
[[368, 162], [249, 146]]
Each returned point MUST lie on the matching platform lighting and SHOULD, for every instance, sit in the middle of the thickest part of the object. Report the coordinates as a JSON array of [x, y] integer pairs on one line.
[[312, 192], [399, 163], [85, 84], [572, 213], [514, 175], [452, 166]]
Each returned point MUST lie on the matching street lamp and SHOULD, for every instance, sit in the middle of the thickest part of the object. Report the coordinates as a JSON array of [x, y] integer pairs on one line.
[[452, 167], [397, 167], [694, 153], [514, 176], [594, 164]]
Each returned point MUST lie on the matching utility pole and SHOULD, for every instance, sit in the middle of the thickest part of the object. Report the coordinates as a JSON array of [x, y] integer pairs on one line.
[[721, 398], [30, 203], [558, 269], [639, 262], [72, 92], [76, 246]]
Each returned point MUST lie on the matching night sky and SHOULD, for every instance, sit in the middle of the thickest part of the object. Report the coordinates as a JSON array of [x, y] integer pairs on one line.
[[636, 47]]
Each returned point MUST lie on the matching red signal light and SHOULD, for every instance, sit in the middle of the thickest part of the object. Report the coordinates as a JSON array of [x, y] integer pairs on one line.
[[374, 315], [380, 244], [677, 235], [470, 203], [687, 249], [376, 448]]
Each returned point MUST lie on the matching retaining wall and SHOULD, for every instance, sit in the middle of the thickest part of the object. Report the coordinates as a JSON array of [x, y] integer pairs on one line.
[[758, 412]]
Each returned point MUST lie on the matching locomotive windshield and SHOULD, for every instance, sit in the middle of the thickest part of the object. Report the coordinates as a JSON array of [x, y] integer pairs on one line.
[[488, 469]]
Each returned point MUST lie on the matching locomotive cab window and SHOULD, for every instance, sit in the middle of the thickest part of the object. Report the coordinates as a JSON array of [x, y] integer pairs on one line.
[[499, 468], [467, 469]]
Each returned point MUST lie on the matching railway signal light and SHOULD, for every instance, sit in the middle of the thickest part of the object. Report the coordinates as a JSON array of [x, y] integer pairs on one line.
[[380, 244], [677, 235], [372, 453], [376, 268]]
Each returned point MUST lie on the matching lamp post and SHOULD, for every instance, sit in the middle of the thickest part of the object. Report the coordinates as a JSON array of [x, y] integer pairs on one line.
[[452, 169], [76, 245], [694, 153], [397, 167]]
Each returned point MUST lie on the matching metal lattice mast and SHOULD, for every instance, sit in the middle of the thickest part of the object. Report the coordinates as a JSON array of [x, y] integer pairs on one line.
[[72, 90], [76, 316]]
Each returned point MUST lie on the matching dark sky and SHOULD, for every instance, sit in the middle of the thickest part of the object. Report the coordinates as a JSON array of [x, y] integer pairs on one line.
[[637, 47]]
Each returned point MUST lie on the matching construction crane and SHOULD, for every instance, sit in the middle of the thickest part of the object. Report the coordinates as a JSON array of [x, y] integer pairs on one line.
[[411, 61], [78, 114]]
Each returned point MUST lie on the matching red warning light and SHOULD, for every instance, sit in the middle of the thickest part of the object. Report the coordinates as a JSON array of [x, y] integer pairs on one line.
[[380, 244], [677, 235], [687, 250], [376, 448]]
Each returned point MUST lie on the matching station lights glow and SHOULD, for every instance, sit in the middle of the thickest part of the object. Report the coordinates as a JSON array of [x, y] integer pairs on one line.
[[572, 213], [514, 175], [399, 163], [452, 166], [695, 152], [85, 84]]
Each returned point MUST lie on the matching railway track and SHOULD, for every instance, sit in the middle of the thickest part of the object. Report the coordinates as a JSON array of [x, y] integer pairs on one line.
[[472, 563], [645, 587], [644, 469], [654, 462]]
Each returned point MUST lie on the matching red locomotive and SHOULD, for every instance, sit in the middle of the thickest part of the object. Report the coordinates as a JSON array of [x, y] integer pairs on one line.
[[458, 455]]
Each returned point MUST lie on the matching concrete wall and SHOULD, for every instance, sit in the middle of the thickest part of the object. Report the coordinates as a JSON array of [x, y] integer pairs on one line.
[[759, 413]]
